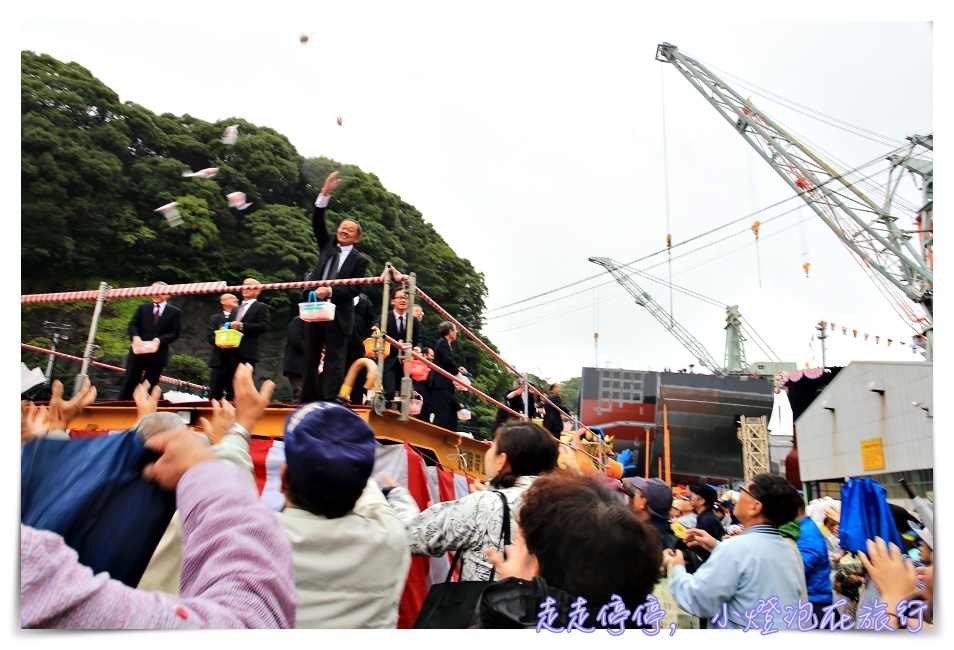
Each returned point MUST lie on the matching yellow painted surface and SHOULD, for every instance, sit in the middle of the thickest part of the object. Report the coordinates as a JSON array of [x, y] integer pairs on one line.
[[454, 452], [872, 454]]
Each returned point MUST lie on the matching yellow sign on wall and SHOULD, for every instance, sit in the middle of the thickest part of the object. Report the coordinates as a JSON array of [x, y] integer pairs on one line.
[[872, 454]]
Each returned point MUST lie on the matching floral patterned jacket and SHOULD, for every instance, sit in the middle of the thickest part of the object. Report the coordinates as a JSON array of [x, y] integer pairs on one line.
[[471, 524]]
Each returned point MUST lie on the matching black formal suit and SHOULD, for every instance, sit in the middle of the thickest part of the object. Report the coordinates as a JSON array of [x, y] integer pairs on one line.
[[254, 324], [330, 335], [364, 320], [442, 389], [293, 366], [148, 367], [553, 415], [216, 382], [394, 371]]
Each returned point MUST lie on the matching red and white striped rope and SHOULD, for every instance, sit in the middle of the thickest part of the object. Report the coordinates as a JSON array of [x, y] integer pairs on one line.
[[189, 289], [430, 364], [486, 397], [162, 378]]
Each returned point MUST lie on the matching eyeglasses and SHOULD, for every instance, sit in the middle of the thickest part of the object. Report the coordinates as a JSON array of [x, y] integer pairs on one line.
[[742, 487]]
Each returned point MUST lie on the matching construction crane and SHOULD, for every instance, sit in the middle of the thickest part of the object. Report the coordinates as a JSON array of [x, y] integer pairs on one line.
[[901, 266], [734, 351]]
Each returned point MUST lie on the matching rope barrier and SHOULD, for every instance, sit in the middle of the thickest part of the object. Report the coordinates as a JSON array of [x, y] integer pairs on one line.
[[189, 289], [402, 345], [487, 348], [162, 378], [221, 287]]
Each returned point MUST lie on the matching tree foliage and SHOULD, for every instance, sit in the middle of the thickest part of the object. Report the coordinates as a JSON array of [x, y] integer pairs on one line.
[[94, 170]]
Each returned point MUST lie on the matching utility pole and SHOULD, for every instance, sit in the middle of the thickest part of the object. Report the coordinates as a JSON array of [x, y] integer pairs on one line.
[[57, 337], [822, 335], [91, 341]]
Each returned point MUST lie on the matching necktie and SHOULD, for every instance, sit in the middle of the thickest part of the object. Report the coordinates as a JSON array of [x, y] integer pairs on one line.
[[155, 315], [241, 311], [332, 270], [401, 327]]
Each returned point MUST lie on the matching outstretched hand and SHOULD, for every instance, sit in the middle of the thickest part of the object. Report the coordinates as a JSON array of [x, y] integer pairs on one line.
[[250, 403], [63, 412], [895, 578], [518, 563], [34, 421], [147, 401], [223, 416], [180, 451], [331, 184], [698, 537]]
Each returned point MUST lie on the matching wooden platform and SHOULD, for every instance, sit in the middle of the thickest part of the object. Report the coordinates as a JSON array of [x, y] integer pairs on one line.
[[453, 451]]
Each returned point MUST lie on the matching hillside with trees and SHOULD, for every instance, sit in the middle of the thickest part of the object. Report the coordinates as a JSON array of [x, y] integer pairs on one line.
[[94, 170]]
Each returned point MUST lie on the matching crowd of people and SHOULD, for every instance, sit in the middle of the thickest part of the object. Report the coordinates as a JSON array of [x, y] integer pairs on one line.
[[585, 551], [559, 548]]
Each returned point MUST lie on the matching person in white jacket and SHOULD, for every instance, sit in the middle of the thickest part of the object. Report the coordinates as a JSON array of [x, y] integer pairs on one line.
[[349, 547]]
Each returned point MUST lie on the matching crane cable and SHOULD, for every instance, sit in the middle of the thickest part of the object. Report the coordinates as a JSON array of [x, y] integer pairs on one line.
[[653, 254], [662, 99]]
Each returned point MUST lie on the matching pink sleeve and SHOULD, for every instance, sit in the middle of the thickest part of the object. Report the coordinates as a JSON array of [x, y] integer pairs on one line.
[[236, 568]]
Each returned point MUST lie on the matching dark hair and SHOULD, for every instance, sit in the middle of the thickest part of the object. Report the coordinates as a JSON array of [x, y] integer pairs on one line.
[[530, 449], [331, 506], [355, 221], [445, 328], [779, 498], [587, 542]]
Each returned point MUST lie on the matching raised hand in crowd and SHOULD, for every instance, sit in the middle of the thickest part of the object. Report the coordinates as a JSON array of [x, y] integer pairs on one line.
[[63, 412], [147, 401], [180, 451], [698, 537], [250, 403], [895, 579], [34, 421], [518, 563], [223, 417]]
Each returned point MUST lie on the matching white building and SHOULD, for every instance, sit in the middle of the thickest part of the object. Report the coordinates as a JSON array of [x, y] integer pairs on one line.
[[875, 419]]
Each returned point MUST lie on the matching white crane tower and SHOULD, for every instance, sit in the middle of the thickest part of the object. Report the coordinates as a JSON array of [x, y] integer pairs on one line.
[[900, 263]]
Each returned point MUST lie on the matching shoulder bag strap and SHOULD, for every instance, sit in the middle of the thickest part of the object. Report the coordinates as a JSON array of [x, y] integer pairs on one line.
[[504, 531], [505, 538]]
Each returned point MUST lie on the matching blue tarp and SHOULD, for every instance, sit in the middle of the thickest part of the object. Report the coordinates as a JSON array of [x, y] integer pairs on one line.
[[91, 492], [865, 515]]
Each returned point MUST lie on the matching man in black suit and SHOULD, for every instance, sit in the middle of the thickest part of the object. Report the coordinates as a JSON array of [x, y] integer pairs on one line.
[[338, 258], [157, 323], [293, 365], [251, 319], [398, 319], [554, 413], [217, 384], [442, 389], [365, 321]]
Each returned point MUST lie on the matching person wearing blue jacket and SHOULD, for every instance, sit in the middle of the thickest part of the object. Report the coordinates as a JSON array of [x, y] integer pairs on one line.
[[814, 551]]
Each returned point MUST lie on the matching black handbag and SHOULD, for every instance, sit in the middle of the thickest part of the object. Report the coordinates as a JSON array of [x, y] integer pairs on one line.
[[453, 605]]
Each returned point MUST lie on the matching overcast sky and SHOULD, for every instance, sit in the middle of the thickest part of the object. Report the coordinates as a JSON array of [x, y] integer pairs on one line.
[[535, 139]]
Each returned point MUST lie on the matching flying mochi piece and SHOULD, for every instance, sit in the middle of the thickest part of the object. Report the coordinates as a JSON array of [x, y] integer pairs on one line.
[[170, 213], [237, 200], [209, 172], [303, 38], [230, 134]]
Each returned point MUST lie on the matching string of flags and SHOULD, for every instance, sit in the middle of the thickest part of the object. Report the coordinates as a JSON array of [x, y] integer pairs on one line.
[[866, 336]]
